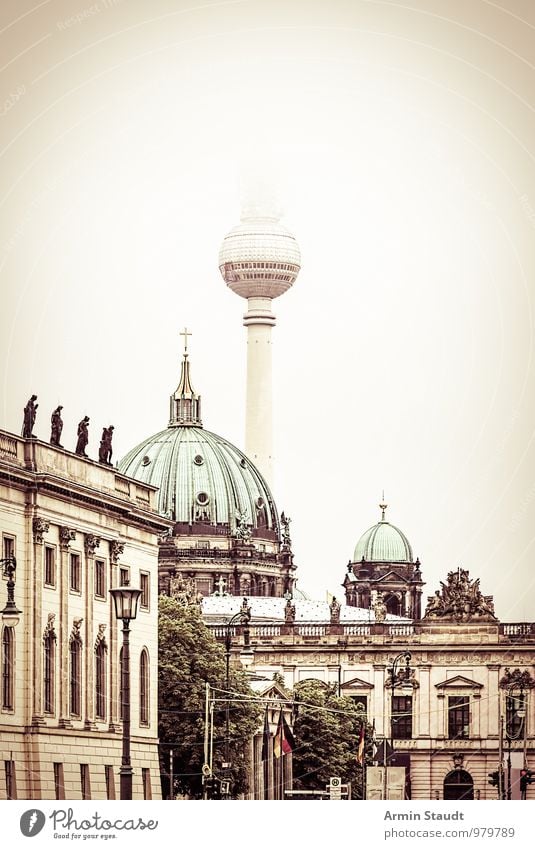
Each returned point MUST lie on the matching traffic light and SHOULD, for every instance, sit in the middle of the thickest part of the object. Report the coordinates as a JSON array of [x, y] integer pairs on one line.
[[213, 788], [526, 777], [494, 778]]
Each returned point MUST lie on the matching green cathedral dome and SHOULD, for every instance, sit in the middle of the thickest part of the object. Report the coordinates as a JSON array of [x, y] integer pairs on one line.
[[383, 543], [201, 477]]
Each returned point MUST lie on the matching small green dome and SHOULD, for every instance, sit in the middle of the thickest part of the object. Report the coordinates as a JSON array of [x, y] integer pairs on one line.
[[383, 543]]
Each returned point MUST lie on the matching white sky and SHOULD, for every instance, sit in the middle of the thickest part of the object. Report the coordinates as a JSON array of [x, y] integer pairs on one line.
[[399, 144]]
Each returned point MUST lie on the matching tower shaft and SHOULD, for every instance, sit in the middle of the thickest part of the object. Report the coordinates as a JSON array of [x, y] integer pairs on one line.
[[258, 410]]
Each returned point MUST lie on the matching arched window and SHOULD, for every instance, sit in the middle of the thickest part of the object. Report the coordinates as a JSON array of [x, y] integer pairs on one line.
[[75, 650], [144, 688], [100, 680], [49, 672], [8, 668]]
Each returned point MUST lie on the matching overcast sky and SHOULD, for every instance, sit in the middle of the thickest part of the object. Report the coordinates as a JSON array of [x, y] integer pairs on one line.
[[398, 143]]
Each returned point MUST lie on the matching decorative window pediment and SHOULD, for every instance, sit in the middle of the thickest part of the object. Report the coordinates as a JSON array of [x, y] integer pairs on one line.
[[391, 577], [357, 684], [459, 682]]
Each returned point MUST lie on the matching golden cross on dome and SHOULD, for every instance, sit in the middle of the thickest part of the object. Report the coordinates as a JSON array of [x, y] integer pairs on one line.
[[383, 507], [185, 333]]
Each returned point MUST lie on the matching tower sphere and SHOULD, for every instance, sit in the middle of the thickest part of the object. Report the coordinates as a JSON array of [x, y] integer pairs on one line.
[[259, 258]]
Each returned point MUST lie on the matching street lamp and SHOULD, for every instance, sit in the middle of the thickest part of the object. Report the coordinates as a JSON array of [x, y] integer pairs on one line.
[[243, 616], [126, 601], [10, 613], [512, 733]]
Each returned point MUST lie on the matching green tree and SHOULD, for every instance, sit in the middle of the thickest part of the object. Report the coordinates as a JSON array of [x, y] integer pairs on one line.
[[327, 731], [188, 657]]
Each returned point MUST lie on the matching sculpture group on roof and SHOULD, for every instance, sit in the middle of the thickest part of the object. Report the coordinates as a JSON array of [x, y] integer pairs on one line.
[[56, 428], [460, 599]]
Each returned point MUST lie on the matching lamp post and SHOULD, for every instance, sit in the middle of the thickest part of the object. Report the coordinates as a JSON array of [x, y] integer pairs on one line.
[[243, 616], [126, 601], [404, 675], [510, 732], [10, 613]]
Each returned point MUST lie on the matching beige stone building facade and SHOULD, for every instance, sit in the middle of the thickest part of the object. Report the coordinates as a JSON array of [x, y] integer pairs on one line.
[[467, 702], [77, 528]]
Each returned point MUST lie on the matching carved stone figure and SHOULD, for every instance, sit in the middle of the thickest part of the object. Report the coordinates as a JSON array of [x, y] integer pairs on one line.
[[184, 590], [286, 539], [289, 612], [40, 527], [83, 437], [460, 599], [105, 450], [56, 426], [243, 531], [30, 412], [379, 608], [335, 611]]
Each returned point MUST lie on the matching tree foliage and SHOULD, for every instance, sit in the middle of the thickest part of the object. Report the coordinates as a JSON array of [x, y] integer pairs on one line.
[[188, 657], [327, 732]]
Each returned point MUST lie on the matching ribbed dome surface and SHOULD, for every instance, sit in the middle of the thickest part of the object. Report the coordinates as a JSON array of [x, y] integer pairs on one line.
[[383, 543], [202, 478]]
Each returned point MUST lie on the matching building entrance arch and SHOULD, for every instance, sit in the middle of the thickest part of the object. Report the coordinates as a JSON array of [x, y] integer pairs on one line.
[[458, 784]]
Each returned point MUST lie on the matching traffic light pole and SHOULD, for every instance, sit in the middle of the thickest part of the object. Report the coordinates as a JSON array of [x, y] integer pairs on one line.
[[500, 761]]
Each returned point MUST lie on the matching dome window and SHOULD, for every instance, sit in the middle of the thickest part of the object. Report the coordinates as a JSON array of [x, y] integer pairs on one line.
[[243, 464], [145, 461], [203, 498], [260, 502], [198, 459]]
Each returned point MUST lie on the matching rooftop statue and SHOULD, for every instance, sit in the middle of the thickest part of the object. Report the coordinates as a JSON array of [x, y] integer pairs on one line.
[[30, 412], [56, 426], [83, 437], [460, 599]]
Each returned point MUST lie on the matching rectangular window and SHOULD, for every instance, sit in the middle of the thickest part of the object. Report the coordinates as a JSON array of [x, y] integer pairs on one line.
[[50, 566], [76, 573], [76, 677], [124, 576], [8, 546], [110, 782], [8, 668], [49, 670], [59, 784], [401, 717], [458, 717], [145, 777], [84, 781], [100, 579], [145, 590], [11, 780], [515, 713]]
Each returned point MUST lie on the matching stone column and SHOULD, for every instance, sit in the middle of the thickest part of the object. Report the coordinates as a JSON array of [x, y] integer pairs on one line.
[[493, 701], [91, 542], [66, 536], [116, 549], [39, 527], [423, 721], [379, 707]]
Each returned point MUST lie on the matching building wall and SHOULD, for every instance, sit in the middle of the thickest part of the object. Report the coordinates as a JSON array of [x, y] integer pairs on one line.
[[449, 659], [52, 499]]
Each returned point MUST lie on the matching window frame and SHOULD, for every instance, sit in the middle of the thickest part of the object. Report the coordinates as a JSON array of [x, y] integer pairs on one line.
[[100, 578], [144, 603], [49, 583], [100, 681], [8, 669], [49, 674], [456, 714], [75, 557], [401, 716], [144, 688], [75, 678]]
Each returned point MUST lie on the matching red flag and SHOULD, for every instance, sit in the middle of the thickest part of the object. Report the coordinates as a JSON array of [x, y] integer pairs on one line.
[[360, 748], [283, 742]]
